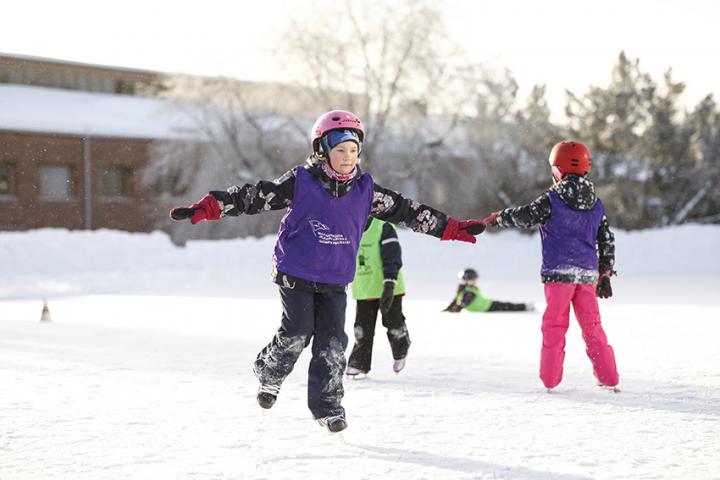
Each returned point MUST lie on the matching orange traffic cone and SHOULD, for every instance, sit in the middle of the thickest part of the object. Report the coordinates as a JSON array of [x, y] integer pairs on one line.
[[45, 317]]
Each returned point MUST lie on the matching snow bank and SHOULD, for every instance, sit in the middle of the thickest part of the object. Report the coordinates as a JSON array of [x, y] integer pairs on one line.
[[53, 261]]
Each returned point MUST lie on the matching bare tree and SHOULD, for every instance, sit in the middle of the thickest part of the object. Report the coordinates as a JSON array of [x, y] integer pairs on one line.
[[241, 137], [391, 63]]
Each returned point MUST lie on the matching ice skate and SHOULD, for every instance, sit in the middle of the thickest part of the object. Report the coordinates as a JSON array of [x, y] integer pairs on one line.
[[334, 424], [398, 365], [613, 389], [356, 373], [267, 395]]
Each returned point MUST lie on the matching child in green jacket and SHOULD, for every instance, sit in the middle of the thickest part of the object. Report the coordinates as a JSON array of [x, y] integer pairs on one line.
[[469, 298], [378, 285]]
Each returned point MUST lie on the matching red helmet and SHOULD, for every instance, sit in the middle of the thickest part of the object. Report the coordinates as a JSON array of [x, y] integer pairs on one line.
[[570, 157], [333, 120]]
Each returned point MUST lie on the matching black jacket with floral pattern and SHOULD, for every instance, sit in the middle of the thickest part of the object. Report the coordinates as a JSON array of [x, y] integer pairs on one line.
[[577, 193], [387, 205]]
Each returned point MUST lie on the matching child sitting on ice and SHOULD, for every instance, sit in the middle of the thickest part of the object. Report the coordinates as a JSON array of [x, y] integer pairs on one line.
[[469, 298]]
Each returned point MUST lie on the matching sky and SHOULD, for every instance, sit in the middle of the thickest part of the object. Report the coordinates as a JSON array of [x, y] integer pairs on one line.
[[562, 43]]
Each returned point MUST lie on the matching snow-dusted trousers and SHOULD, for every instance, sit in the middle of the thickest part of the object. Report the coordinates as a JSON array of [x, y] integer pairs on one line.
[[555, 323], [365, 321], [317, 316]]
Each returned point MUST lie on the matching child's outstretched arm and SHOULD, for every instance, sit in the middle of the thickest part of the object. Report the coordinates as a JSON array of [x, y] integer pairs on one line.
[[248, 199], [536, 212], [261, 197], [392, 207]]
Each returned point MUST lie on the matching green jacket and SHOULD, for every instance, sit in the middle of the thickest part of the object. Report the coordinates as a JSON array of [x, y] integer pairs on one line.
[[470, 298], [379, 258]]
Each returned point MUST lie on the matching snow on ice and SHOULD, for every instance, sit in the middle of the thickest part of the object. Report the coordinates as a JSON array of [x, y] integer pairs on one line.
[[145, 369]]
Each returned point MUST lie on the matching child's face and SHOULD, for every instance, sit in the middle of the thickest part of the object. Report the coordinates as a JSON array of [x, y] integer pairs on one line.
[[344, 157]]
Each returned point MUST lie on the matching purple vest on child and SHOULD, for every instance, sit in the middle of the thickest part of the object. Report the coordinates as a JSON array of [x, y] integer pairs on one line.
[[320, 234], [569, 239]]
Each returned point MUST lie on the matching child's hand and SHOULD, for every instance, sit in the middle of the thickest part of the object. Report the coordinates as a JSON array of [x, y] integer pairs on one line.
[[208, 208], [603, 288], [453, 308], [388, 295], [463, 231]]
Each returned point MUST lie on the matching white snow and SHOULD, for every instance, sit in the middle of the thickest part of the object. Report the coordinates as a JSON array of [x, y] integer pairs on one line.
[[144, 371], [53, 110]]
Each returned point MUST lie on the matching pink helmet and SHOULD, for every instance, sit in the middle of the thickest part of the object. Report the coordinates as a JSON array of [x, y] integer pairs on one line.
[[333, 120]]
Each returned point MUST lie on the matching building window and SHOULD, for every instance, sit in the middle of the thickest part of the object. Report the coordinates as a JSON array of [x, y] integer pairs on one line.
[[7, 179], [115, 182], [167, 184], [55, 182]]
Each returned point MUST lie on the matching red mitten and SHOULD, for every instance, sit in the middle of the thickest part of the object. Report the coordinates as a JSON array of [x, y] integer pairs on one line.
[[463, 231], [208, 208]]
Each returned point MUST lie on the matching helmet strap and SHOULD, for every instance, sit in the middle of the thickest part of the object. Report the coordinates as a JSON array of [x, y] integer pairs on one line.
[[324, 149]]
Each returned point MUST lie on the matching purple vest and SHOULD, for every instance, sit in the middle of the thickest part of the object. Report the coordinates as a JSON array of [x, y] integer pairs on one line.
[[320, 234], [569, 239]]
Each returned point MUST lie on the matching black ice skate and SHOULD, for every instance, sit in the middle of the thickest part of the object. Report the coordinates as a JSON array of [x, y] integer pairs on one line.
[[267, 394], [334, 423]]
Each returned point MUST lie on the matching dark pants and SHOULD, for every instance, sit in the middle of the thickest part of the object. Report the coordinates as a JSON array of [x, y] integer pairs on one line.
[[318, 316], [507, 307], [365, 320]]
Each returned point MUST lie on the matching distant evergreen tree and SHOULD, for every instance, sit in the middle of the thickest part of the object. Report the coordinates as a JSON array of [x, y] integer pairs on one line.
[[654, 163], [635, 133], [535, 134], [664, 143], [703, 124]]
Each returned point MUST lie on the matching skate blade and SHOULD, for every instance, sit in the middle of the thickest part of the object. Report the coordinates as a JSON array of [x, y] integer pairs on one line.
[[357, 376]]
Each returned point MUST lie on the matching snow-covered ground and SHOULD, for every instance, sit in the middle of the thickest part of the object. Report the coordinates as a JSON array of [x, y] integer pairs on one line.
[[144, 371]]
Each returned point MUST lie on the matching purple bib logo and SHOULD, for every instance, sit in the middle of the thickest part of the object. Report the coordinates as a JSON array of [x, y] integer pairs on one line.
[[321, 231], [317, 226]]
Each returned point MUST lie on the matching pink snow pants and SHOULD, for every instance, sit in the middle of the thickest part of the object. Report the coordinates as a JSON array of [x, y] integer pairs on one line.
[[555, 323]]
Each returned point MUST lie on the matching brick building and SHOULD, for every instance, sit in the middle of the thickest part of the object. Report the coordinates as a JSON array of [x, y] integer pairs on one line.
[[74, 139]]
